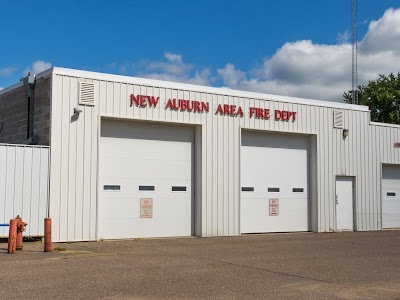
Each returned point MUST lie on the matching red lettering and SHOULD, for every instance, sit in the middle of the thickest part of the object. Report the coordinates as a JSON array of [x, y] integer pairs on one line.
[[267, 113], [219, 110], [261, 113], [175, 105], [135, 99], [252, 110], [169, 104], [277, 114], [142, 99], [196, 106], [205, 106], [240, 111], [285, 115], [233, 110], [183, 104], [153, 101], [189, 105], [227, 110]]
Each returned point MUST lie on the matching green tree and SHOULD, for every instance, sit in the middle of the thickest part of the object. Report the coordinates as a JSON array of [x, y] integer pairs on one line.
[[382, 96]]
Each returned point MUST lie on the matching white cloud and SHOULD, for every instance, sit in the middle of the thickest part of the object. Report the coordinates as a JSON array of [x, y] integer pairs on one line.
[[305, 69], [383, 34], [8, 71], [174, 66], [300, 68], [1, 88], [175, 69], [173, 57], [231, 76], [37, 67], [343, 37]]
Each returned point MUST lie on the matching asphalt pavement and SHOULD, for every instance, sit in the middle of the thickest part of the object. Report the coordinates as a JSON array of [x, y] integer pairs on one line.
[[349, 265]]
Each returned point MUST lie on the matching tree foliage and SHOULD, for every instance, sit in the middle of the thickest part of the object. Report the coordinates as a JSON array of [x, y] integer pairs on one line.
[[382, 96]]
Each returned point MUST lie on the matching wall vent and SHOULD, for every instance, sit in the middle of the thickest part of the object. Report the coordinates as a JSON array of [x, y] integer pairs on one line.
[[86, 93], [338, 119]]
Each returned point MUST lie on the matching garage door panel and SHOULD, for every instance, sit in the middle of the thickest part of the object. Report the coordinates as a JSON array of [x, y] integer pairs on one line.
[[146, 230], [265, 195], [162, 208], [391, 196], [145, 131], [127, 187], [149, 168], [146, 176], [118, 210], [282, 141], [276, 167], [257, 210], [139, 160], [391, 206]]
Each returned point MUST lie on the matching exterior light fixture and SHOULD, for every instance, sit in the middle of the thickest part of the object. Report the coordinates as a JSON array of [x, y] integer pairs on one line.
[[77, 111], [345, 133]]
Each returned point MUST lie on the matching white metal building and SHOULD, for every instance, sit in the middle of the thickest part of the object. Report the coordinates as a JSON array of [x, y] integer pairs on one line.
[[134, 157]]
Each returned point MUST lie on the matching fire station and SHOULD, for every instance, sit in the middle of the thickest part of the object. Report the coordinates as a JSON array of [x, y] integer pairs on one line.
[[134, 158]]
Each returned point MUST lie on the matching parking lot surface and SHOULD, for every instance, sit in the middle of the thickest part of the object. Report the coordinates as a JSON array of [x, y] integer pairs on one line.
[[362, 265]]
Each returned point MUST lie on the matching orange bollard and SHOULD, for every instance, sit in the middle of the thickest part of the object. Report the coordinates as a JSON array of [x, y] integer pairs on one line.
[[12, 237], [20, 229], [47, 235]]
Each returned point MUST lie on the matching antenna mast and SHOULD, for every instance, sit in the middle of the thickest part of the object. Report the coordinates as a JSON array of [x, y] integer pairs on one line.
[[354, 42]]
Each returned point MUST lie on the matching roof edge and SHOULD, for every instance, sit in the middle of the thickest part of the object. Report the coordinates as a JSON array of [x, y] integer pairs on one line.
[[384, 124], [201, 88], [10, 88]]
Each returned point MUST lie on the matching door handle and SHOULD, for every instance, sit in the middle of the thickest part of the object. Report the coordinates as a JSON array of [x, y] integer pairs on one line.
[[337, 202]]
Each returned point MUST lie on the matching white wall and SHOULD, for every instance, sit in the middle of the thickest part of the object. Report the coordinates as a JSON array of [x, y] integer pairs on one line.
[[73, 182], [74, 150], [380, 150], [24, 175]]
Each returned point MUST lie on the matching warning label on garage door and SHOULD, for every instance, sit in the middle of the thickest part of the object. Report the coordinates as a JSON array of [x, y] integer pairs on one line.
[[146, 207], [273, 207]]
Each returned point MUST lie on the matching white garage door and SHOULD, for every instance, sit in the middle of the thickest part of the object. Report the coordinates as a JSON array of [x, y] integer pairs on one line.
[[274, 179], [145, 178], [391, 196]]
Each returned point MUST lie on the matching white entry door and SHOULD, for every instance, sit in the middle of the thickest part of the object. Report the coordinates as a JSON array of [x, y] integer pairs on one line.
[[391, 196], [344, 204], [145, 176]]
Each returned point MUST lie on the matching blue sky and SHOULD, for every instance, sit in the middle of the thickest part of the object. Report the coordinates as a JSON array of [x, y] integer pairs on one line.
[[288, 47]]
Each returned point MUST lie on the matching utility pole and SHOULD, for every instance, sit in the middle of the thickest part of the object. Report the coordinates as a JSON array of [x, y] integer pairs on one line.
[[354, 42]]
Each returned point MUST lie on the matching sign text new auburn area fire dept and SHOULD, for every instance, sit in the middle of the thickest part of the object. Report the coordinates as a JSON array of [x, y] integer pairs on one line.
[[204, 107]]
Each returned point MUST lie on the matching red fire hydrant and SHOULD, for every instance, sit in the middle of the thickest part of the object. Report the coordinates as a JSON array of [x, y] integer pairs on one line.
[[20, 228]]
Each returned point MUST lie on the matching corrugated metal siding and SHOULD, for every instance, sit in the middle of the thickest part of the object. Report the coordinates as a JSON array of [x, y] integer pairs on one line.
[[381, 151], [73, 184], [24, 189], [74, 154]]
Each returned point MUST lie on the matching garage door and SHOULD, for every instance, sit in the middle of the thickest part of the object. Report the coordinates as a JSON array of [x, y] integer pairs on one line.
[[145, 178], [391, 196], [274, 179]]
